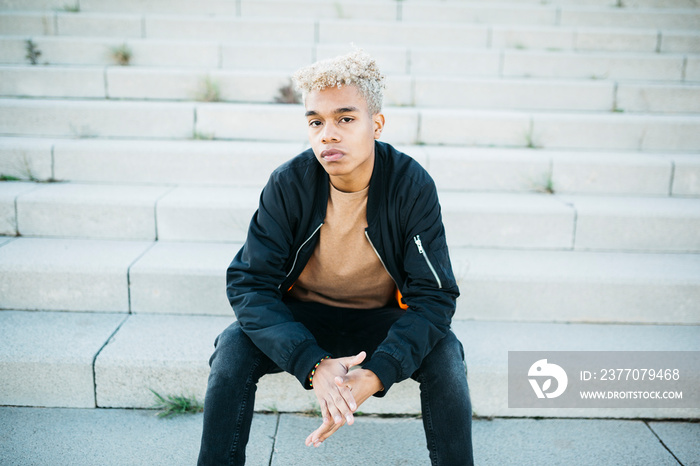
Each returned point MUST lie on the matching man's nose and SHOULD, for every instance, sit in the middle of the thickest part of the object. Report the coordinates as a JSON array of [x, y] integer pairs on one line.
[[330, 134]]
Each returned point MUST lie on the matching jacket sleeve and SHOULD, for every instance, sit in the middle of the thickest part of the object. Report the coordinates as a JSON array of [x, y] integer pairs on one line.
[[429, 290], [253, 287]]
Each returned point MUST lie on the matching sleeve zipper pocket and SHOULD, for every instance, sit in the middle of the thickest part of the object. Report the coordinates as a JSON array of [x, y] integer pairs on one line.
[[419, 244]]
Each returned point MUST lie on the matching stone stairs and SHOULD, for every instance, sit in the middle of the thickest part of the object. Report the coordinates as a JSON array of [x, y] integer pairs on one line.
[[564, 137]]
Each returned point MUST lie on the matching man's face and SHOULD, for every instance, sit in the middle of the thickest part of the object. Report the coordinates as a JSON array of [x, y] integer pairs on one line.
[[342, 134]]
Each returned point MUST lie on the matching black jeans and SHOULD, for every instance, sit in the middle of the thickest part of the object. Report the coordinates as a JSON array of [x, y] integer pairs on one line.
[[237, 365]]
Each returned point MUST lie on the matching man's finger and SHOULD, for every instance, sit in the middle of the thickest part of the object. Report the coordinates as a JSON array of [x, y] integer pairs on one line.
[[346, 392], [324, 436], [324, 411], [321, 434], [326, 425], [335, 416], [357, 359], [315, 436]]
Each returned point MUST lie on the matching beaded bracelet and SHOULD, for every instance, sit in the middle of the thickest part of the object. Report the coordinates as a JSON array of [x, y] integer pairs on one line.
[[313, 371]]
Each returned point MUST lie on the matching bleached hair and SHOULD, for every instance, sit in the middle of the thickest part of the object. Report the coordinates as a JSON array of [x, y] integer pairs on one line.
[[356, 68]]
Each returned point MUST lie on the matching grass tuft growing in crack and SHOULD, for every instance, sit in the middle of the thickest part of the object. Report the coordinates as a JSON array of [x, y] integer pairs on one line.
[[172, 405], [287, 94], [33, 53], [121, 54], [74, 8]]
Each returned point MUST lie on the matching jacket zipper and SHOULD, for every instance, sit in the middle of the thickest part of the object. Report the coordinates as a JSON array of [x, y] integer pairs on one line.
[[419, 244], [380, 258], [296, 256]]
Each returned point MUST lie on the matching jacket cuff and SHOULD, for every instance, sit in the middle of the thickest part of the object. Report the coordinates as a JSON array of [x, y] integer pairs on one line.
[[303, 361], [386, 368]]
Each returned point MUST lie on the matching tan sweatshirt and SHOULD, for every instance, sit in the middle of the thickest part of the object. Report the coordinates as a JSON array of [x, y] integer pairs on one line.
[[344, 270]]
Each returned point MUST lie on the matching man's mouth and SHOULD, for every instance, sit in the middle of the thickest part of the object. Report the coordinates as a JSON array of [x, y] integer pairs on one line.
[[331, 155]]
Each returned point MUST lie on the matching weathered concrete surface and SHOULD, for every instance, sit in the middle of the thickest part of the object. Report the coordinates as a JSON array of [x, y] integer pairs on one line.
[[636, 224], [680, 438], [67, 274], [46, 357], [27, 159], [567, 286], [167, 354], [76, 210], [8, 209], [112, 437], [117, 437], [182, 278]]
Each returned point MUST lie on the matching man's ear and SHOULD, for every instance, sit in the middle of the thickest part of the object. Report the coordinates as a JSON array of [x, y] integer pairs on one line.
[[378, 124]]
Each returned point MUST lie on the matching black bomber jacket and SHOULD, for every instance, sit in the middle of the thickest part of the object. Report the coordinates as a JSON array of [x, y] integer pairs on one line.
[[404, 228]]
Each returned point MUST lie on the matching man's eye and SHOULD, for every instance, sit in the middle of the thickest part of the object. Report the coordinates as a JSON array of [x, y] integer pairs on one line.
[[315, 123], [346, 119]]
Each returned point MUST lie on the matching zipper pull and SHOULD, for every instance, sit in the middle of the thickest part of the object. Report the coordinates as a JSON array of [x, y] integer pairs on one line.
[[419, 244], [421, 251]]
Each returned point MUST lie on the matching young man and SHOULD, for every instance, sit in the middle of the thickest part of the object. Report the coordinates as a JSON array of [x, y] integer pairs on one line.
[[345, 264]]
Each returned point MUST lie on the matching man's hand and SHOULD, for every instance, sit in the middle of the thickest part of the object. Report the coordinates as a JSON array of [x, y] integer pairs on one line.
[[340, 392]]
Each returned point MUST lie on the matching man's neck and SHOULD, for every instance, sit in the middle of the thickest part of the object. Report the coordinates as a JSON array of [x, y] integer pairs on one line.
[[357, 180], [348, 187]]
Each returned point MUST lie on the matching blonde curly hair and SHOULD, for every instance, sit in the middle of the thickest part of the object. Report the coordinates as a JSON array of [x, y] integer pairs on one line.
[[356, 68]]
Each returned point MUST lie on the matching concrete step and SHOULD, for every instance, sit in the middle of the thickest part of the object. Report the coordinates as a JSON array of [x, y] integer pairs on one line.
[[548, 94], [631, 4], [400, 59], [692, 68], [413, 11], [90, 211], [584, 172], [26, 158], [8, 209], [169, 355], [565, 286], [119, 436], [278, 28], [476, 219], [678, 41], [212, 163], [160, 162], [580, 131], [619, 17], [60, 82], [586, 223], [248, 164], [67, 274], [688, 180], [157, 52], [187, 120], [37, 369], [513, 63], [515, 36], [593, 65], [264, 87], [391, 32], [139, 358], [188, 278], [635, 223], [586, 39], [149, 83], [88, 119], [455, 11], [654, 98], [219, 7]]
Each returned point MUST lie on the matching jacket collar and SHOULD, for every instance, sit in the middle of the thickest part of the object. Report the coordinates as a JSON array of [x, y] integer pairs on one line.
[[377, 182]]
